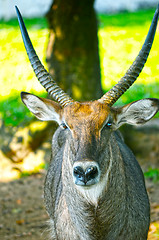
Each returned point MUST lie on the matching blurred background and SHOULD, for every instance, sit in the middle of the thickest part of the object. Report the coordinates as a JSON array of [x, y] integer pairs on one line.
[[87, 46]]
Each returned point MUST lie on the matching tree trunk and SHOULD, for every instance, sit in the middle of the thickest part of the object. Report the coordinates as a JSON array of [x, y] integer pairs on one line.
[[72, 53]]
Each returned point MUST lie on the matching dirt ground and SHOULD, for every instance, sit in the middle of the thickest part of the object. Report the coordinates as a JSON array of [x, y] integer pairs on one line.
[[22, 213]]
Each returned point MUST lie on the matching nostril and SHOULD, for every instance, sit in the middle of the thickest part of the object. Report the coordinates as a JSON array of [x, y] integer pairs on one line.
[[78, 172], [91, 173]]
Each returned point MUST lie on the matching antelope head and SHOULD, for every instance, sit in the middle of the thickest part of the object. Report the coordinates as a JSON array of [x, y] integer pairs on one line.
[[89, 125]]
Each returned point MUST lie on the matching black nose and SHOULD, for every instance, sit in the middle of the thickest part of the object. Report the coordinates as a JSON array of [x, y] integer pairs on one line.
[[85, 176]]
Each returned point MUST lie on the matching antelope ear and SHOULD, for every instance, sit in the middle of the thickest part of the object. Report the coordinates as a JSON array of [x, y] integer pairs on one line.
[[137, 112], [43, 109]]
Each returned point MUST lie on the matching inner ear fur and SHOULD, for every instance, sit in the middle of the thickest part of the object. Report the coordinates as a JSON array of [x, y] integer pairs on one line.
[[43, 109], [138, 112]]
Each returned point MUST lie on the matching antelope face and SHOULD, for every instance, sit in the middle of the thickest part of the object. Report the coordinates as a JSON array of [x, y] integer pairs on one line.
[[84, 123]]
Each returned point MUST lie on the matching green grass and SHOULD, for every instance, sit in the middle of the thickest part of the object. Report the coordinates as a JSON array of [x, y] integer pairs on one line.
[[152, 174], [120, 39], [16, 74], [35, 171]]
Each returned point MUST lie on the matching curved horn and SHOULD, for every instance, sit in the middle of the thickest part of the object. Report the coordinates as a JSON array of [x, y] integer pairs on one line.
[[43, 76], [133, 72]]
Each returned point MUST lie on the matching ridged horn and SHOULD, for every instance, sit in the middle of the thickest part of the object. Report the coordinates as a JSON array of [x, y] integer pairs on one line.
[[43, 76], [133, 72]]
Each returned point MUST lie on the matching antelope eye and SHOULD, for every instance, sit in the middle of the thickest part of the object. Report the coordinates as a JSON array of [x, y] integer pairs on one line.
[[64, 126], [109, 124]]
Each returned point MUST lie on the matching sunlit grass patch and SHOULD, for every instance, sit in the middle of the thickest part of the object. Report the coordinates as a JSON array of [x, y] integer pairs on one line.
[[154, 231], [16, 74], [120, 39]]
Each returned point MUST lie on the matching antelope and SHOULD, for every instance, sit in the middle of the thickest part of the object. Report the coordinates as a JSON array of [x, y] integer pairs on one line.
[[94, 188]]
